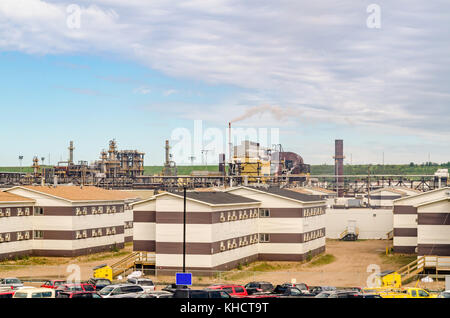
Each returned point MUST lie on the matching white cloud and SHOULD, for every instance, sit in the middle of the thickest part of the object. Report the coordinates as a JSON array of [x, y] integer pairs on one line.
[[319, 59]]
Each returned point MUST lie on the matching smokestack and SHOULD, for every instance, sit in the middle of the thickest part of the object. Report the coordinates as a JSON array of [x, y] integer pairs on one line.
[[339, 166], [167, 153], [71, 148]]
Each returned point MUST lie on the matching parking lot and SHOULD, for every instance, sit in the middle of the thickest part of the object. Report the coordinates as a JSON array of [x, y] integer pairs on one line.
[[346, 268]]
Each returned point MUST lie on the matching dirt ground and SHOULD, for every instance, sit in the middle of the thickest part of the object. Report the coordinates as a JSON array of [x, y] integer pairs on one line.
[[59, 267], [349, 269]]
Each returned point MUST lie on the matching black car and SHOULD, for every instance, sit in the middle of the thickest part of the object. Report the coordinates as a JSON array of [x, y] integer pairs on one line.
[[345, 294], [200, 293], [99, 283], [173, 287], [259, 287], [316, 290], [285, 290]]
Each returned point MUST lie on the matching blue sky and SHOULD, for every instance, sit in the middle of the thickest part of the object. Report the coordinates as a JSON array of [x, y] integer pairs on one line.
[[137, 71]]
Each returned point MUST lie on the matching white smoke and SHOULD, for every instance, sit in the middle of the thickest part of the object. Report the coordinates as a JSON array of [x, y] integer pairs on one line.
[[277, 112]]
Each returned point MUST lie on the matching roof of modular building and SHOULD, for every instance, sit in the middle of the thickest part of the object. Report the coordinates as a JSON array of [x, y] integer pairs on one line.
[[393, 190], [77, 193], [9, 197], [421, 195], [289, 194], [216, 197]]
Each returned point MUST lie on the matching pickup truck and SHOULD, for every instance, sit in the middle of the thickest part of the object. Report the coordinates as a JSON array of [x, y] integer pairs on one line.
[[411, 292]]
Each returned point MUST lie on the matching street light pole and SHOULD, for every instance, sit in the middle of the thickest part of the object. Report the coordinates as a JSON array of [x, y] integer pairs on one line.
[[184, 229]]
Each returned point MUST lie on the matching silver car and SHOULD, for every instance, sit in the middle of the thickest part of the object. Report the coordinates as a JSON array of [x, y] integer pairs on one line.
[[113, 291], [146, 283], [11, 282]]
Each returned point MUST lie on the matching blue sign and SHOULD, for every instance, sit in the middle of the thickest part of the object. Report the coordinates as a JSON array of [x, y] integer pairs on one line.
[[183, 279]]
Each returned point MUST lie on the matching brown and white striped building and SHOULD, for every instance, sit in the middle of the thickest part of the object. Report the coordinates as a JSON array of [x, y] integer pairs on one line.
[[65, 220], [421, 223], [228, 228], [16, 226]]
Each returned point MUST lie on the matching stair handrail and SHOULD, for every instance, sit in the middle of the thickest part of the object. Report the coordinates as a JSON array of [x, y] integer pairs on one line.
[[408, 268], [125, 259]]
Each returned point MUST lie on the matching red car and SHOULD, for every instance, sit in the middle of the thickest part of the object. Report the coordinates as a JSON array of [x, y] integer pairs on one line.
[[53, 284], [78, 294], [7, 293], [75, 288], [232, 290]]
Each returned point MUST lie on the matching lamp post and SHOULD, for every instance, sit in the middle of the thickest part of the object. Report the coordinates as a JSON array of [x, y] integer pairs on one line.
[[184, 229]]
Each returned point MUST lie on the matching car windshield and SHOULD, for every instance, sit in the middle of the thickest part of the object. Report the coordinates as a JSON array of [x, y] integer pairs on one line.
[[145, 282], [20, 295], [12, 281], [106, 290], [88, 287], [58, 283]]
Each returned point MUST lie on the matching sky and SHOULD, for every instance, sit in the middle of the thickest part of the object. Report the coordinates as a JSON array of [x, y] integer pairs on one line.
[[301, 73]]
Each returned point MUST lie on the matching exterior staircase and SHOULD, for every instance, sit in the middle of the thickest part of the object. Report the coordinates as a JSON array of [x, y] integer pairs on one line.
[[349, 235], [132, 261], [432, 263]]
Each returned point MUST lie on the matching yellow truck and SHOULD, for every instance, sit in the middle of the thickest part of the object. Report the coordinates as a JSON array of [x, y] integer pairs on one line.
[[410, 292]]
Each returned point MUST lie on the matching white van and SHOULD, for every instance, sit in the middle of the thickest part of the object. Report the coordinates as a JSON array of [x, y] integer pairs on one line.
[[35, 293]]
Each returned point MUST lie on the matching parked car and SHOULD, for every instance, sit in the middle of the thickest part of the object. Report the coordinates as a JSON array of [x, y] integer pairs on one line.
[[145, 283], [345, 294], [232, 290], [301, 286], [173, 287], [35, 293], [99, 283], [78, 294], [200, 293], [324, 294], [284, 291], [75, 288], [259, 287], [53, 284], [119, 289], [319, 289], [12, 282], [156, 294], [444, 294], [7, 292]]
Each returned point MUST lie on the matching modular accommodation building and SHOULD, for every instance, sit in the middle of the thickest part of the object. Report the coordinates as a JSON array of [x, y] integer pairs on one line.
[[71, 220], [433, 227], [16, 226], [221, 230], [406, 219], [291, 225]]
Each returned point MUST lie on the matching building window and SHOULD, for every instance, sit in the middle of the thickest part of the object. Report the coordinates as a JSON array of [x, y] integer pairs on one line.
[[38, 234], [39, 211], [264, 238], [264, 213]]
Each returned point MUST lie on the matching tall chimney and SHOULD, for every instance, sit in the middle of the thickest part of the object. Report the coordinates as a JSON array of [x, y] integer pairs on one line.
[[71, 148], [339, 166], [167, 153]]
